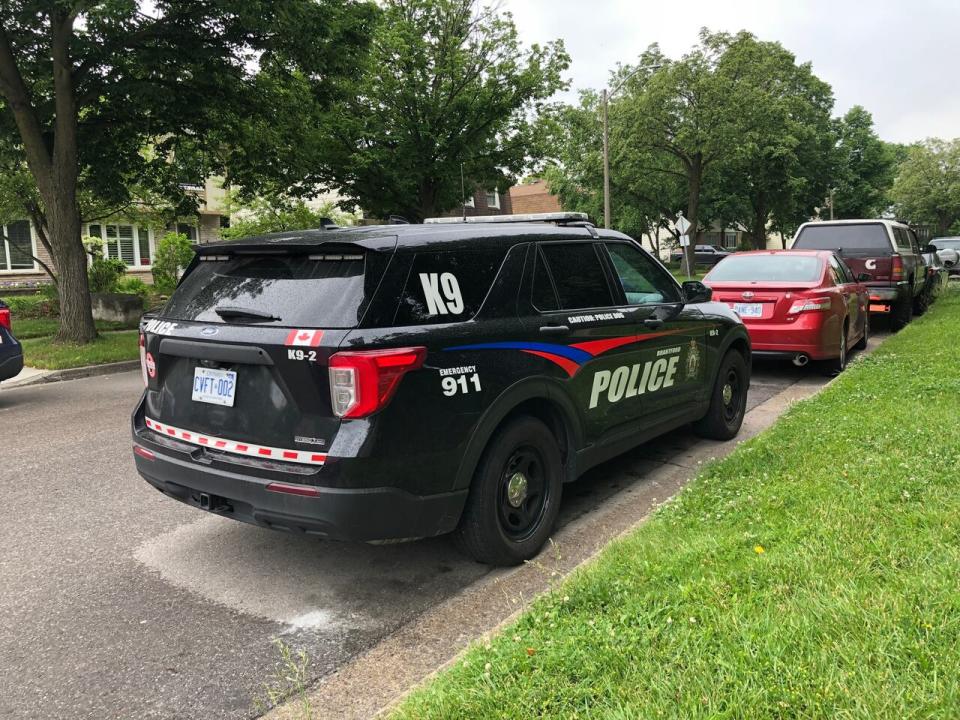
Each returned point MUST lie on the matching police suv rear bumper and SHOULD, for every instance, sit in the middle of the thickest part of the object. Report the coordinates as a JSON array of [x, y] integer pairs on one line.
[[360, 514]]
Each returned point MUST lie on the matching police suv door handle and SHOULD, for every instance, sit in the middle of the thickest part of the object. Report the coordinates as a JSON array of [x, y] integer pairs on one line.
[[653, 323], [555, 329]]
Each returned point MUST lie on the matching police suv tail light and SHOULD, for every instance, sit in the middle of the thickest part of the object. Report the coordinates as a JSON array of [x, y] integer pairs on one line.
[[143, 359], [5, 319], [362, 382], [810, 305]]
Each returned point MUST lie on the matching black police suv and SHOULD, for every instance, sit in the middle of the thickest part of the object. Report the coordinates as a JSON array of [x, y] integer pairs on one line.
[[404, 381]]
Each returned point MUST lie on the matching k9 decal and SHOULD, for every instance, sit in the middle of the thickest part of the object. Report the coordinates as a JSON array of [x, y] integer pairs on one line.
[[298, 354], [442, 292]]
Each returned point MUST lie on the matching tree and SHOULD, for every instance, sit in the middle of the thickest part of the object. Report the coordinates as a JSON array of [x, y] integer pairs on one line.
[[927, 187], [781, 167], [278, 213], [98, 92], [865, 167], [447, 89]]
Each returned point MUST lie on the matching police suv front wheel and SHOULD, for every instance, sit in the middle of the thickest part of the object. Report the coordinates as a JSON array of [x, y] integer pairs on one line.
[[728, 400], [515, 495]]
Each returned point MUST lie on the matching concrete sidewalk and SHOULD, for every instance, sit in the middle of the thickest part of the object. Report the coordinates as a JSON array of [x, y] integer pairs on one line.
[[36, 376]]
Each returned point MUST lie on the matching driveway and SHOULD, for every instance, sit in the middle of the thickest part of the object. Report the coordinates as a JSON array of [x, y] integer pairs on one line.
[[118, 602]]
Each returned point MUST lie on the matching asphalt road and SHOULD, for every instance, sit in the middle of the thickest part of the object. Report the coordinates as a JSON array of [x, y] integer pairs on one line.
[[116, 602]]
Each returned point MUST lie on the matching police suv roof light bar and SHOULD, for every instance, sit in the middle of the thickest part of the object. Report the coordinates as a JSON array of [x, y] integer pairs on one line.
[[550, 217]]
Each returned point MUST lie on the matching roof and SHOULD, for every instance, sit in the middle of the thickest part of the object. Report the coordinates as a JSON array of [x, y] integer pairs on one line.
[[385, 237], [860, 221]]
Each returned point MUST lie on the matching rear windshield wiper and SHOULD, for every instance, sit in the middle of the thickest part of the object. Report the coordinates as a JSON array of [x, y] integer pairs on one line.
[[238, 312]]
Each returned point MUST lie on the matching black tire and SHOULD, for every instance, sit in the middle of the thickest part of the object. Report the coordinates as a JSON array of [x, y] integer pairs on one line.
[[494, 529], [862, 342], [921, 303], [727, 406], [837, 365], [901, 314]]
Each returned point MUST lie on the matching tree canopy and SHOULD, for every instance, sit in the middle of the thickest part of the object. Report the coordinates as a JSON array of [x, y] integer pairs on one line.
[[865, 167], [927, 187], [97, 94], [446, 87]]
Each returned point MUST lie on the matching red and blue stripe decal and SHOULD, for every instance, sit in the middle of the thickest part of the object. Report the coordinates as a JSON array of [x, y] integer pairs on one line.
[[569, 357]]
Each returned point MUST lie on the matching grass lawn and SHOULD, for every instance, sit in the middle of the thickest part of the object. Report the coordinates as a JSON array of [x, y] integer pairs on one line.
[[813, 573], [680, 275], [109, 347], [26, 328]]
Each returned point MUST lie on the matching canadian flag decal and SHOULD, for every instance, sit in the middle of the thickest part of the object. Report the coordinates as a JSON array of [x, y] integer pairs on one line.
[[304, 338]]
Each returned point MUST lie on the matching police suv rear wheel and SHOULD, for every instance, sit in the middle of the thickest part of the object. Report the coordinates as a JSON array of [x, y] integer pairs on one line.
[[515, 495], [728, 400]]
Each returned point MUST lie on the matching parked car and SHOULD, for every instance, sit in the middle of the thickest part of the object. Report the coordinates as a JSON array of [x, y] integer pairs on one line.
[[937, 273], [11, 353], [887, 250], [406, 381], [798, 304], [707, 255], [948, 249]]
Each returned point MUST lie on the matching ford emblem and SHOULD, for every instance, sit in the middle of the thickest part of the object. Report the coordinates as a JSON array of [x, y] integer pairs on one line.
[[208, 331]]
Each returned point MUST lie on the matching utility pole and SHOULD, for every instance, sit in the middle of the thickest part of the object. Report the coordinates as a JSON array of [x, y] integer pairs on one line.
[[605, 99]]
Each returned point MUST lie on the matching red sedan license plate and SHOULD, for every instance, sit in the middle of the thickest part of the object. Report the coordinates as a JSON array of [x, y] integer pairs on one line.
[[752, 310]]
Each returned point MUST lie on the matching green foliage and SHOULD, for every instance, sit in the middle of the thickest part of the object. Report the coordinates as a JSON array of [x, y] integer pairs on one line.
[[927, 188], [104, 273], [865, 167], [133, 286], [809, 574], [174, 253], [31, 306], [277, 214], [447, 86], [111, 347]]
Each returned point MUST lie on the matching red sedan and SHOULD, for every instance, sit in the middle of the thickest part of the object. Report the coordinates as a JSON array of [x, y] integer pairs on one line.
[[799, 304]]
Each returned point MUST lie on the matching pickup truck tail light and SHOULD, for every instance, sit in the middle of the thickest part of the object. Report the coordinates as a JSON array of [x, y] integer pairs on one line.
[[362, 382], [896, 267], [819, 304], [5, 318]]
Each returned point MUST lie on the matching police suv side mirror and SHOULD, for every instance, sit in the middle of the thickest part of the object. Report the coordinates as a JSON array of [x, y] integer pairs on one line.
[[695, 291]]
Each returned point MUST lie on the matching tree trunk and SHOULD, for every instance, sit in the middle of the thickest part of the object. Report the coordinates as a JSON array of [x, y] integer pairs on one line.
[[758, 233], [76, 317], [694, 181]]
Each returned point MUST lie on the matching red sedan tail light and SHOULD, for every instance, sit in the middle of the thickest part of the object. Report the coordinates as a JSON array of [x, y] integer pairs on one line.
[[820, 304], [362, 382]]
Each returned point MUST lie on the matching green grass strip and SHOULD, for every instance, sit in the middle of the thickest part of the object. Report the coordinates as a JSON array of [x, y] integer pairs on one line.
[[111, 347], [813, 573], [27, 328]]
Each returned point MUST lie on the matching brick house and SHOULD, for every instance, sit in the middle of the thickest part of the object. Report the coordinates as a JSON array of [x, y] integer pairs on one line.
[[482, 202], [127, 240], [533, 197]]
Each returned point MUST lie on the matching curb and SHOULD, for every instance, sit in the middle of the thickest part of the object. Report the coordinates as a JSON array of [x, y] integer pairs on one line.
[[74, 374]]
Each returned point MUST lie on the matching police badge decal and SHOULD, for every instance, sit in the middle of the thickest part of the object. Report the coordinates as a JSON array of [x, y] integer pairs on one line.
[[693, 360]]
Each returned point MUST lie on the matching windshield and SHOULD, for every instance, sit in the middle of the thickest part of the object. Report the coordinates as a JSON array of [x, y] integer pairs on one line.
[[297, 290], [767, 268], [866, 236]]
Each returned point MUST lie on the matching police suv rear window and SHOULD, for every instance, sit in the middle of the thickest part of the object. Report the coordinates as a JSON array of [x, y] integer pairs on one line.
[[866, 236], [445, 287], [319, 290]]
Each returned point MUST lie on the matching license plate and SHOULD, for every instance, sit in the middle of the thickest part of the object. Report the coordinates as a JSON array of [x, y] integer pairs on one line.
[[217, 387], [748, 309]]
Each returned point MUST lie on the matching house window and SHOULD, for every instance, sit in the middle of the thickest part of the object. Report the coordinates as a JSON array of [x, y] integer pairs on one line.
[[189, 230], [17, 247], [129, 243], [493, 199]]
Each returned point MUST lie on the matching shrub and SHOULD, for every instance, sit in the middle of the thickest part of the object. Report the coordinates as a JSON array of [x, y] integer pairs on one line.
[[33, 306], [133, 286], [104, 273], [174, 253]]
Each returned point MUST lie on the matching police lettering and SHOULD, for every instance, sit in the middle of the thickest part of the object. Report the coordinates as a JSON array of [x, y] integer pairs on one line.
[[630, 380]]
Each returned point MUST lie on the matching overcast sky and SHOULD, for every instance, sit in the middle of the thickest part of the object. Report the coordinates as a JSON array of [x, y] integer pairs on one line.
[[900, 59]]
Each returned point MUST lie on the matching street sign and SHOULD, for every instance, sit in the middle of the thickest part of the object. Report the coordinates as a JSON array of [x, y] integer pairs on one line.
[[685, 240], [682, 224]]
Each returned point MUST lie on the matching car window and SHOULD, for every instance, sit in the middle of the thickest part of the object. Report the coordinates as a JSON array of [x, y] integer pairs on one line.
[[578, 275], [853, 236], [767, 267], [310, 291], [903, 240], [544, 295], [643, 281], [840, 271], [447, 286]]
